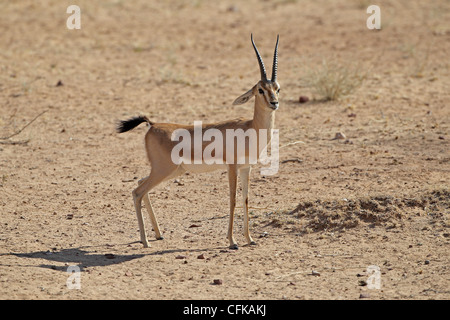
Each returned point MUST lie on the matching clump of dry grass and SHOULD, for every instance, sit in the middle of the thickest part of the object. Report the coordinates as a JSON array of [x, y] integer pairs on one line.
[[381, 210], [334, 79]]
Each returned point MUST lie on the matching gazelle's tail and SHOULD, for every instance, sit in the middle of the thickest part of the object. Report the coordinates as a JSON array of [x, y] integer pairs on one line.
[[127, 125]]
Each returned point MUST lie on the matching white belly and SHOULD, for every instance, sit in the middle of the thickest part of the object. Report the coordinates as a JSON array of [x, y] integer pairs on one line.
[[199, 168]]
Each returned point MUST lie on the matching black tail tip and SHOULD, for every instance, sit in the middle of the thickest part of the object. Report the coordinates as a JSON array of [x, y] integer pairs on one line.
[[127, 125]]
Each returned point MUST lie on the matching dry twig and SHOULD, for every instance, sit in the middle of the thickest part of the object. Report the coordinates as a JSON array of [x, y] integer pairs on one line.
[[20, 130]]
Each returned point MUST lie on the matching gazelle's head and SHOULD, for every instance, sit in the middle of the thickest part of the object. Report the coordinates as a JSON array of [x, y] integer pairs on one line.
[[266, 91]]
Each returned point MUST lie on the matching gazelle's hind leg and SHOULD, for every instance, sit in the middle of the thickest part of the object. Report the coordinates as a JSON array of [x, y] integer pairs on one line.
[[151, 214], [156, 176]]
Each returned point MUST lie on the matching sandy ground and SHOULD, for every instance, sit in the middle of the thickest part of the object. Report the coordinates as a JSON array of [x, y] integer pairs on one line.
[[378, 198]]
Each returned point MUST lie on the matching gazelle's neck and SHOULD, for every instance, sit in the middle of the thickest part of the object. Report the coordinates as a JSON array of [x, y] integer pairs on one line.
[[263, 117]]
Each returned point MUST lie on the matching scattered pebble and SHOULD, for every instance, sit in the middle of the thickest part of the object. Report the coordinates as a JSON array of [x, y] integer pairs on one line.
[[180, 257], [195, 226], [427, 261], [362, 283], [218, 281], [202, 256], [364, 296], [177, 181], [303, 99], [59, 83], [339, 136], [109, 256], [264, 234], [315, 273]]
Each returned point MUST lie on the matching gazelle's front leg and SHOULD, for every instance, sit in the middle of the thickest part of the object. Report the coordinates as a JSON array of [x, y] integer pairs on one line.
[[232, 180], [245, 177]]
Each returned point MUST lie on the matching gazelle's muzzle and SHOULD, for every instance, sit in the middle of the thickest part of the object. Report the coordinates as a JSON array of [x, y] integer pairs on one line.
[[274, 105]]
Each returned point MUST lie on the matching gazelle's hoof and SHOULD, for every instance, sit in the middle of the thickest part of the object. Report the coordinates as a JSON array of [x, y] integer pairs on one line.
[[160, 238], [145, 244], [234, 247], [252, 243]]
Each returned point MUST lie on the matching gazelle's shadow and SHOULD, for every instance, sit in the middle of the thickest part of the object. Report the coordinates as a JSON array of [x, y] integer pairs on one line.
[[87, 256], [77, 256]]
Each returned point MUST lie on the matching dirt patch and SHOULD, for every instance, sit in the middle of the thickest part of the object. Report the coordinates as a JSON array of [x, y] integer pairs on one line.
[[66, 178], [386, 211]]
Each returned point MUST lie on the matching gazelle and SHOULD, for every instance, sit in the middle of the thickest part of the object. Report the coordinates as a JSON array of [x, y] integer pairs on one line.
[[159, 145]]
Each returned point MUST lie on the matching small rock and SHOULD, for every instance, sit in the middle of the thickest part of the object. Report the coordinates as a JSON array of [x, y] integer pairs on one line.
[[69, 216], [202, 256], [218, 281], [427, 261], [109, 256], [362, 283], [339, 136], [195, 226], [315, 273], [264, 234], [303, 99], [59, 83], [178, 182], [180, 257], [364, 296]]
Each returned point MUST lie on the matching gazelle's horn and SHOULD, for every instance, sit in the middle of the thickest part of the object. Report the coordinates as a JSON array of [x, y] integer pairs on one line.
[[275, 62], [260, 61]]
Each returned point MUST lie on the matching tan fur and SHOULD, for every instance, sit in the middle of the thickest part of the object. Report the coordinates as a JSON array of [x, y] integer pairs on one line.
[[159, 146]]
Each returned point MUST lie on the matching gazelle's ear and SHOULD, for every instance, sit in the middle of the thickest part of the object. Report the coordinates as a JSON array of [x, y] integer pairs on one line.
[[245, 97]]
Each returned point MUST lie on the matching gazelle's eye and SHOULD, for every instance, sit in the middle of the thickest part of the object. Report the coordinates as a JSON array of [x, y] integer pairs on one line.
[[278, 91], [261, 91]]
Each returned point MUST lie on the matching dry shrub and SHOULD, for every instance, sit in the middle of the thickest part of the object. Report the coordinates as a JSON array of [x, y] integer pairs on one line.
[[333, 79]]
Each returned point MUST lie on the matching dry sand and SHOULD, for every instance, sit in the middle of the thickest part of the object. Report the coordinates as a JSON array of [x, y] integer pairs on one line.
[[379, 197]]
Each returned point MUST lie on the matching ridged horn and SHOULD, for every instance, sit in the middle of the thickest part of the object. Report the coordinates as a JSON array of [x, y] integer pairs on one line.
[[275, 61], [260, 61]]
